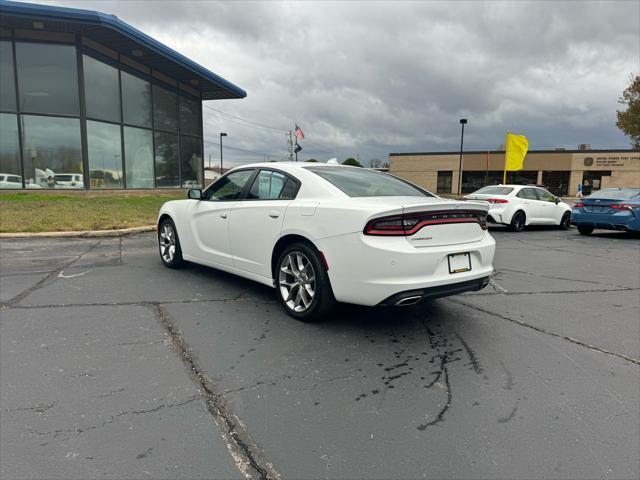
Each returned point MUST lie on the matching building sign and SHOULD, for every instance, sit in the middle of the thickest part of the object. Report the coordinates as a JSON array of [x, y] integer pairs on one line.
[[608, 161]]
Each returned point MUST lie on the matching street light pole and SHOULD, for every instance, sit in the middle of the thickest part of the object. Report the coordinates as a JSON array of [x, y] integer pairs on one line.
[[221, 135], [463, 121]]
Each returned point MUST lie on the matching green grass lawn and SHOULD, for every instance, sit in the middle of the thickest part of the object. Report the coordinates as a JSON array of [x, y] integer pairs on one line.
[[29, 212]]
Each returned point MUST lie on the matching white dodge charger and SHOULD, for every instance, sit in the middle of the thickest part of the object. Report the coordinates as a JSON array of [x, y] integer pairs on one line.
[[324, 233]]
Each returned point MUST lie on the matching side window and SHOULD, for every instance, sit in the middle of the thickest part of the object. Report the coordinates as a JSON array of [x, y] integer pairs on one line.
[[545, 196], [529, 194], [230, 186], [521, 193], [270, 185]]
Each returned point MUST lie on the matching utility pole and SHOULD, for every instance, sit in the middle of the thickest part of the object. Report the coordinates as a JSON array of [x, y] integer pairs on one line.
[[463, 121], [290, 146], [209, 161], [221, 167]]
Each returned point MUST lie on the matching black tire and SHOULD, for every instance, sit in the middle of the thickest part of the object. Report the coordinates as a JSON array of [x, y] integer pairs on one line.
[[585, 229], [565, 222], [293, 284], [167, 238], [518, 221]]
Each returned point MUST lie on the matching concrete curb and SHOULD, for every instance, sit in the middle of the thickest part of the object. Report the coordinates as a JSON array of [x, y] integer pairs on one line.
[[81, 234]]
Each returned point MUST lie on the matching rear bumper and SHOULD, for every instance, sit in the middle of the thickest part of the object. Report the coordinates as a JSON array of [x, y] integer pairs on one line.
[[623, 221], [411, 297], [367, 270]]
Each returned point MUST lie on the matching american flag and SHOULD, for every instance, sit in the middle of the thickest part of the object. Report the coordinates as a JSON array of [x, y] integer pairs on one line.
[[299, 133]]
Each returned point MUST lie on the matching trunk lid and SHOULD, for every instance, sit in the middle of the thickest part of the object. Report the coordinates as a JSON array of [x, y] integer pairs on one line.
[[447, 222]]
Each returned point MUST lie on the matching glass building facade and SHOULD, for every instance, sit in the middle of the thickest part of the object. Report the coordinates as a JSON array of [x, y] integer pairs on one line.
[[74, 117]]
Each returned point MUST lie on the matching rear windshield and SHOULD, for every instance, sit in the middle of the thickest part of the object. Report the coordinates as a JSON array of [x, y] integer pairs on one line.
[[617, 194], [360, 182], [495, 190]]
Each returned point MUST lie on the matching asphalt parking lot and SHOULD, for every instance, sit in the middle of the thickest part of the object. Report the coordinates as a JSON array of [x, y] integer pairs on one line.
[[113, 366]]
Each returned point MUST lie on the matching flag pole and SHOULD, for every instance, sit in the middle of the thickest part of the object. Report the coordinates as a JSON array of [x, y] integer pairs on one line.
[[506, 155]]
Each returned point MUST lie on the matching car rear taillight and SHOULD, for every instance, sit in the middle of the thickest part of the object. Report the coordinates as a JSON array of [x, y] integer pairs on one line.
[[408, 224], [579, 205], [497, 200], [623, 206]]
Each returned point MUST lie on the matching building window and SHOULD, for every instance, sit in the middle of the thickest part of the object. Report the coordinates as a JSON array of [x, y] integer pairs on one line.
[[136, 100], [592, 181], [444, 182], [556, 182], [189, 115], [167, 160], [52, 151], [138, 156], [191, 161], [9, 152], [47, 78], [101, 90], [7, 79], [105, 155], [165, 109], [522, 177]]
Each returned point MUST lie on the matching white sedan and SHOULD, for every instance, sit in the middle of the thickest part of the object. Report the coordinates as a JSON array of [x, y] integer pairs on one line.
[[520, 205], [324, 233]]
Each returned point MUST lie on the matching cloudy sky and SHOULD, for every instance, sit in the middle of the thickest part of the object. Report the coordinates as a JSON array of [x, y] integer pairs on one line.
[[369, 78]]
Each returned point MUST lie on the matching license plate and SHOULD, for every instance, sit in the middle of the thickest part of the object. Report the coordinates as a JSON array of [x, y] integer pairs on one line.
[[459, 262]]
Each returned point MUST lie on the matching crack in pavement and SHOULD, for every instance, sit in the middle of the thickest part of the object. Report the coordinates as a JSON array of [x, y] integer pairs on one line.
[[113, 418], [48, 279], [246, 454], [560, 278], [243, 296], [547, 332]]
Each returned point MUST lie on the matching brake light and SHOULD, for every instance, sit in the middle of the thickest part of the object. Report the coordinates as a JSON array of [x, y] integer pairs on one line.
[[497, 200], [578, 205], [623, 206], [408, 224]]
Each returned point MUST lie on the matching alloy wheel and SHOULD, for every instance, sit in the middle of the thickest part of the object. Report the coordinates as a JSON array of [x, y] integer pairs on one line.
[[297, 281], [167, 243], [518, 222]]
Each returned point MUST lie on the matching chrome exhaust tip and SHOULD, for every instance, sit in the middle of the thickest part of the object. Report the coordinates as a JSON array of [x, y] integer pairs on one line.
[[405, 302]]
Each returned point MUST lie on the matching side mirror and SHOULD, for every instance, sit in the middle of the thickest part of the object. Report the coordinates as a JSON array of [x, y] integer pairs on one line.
[[194, 194], [558, 200]]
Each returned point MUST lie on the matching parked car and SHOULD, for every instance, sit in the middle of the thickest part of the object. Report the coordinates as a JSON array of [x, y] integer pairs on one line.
[[520, 205], [609, 209], [8, 180], [69, 180], [323, 233]]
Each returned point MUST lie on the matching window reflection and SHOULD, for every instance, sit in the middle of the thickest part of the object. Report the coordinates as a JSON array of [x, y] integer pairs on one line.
[[191, 161], [105, 155], [52, 151], [167, 160], [47, 78], [189, 115], [7, 80], [165, 109], [102, 90], [136, 100], [9, 152], [138, 151]]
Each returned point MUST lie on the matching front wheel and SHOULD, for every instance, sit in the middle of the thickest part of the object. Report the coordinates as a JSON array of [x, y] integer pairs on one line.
[[302, 283], [169, 244], [518, 221], [565, 222], [585, 229]]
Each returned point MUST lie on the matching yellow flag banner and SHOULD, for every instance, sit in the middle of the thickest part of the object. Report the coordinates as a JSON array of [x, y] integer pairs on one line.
[[516, 150]]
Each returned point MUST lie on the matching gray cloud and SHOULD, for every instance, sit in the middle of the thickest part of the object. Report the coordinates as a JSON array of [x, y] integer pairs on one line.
[[372, 78]]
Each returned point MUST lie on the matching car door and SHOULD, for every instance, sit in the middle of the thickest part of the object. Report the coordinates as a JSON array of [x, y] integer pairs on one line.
[[530, 204], [256, 221], [209, 217], [551, 212]]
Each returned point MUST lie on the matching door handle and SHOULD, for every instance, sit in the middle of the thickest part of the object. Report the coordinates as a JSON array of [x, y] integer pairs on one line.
[[224, 215], [274, 213]]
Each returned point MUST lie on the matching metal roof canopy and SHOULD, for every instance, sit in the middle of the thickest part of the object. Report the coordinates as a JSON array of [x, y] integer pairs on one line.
[[112, 32]]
